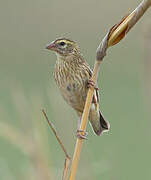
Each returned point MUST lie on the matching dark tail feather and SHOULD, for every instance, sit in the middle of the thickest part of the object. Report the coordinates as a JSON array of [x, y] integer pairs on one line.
[[99, 125], [104, 125]]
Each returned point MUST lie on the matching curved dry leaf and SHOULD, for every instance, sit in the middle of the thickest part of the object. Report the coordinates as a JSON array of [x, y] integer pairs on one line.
[[122, 33]]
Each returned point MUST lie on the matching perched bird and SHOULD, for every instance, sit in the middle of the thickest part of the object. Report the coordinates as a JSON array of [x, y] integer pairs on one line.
[[72, 75]]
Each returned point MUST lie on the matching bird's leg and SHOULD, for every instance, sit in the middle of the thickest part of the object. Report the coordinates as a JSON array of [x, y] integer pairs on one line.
[[80, 133], [91, 83]]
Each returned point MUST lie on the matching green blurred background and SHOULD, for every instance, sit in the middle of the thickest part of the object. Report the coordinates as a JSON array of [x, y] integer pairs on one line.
[[28, 149]]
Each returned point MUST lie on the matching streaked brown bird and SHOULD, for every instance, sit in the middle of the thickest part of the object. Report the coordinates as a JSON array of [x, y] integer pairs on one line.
[[72, 75]]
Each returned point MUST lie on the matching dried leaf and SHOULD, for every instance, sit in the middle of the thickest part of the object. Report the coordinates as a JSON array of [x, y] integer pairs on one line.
[[121, 35]]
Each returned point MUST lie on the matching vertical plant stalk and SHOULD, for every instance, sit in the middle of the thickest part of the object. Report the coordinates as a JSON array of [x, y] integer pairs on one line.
[[114, 35]]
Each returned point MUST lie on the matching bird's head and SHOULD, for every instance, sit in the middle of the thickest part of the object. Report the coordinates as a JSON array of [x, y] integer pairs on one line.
[[63, 47]]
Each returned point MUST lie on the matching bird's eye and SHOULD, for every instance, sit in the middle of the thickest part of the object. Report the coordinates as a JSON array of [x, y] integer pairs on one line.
[[62, 43]]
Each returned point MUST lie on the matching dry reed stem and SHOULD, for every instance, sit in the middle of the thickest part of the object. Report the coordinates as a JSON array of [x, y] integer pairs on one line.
[[115, 34], [66, 167], [67, 159]]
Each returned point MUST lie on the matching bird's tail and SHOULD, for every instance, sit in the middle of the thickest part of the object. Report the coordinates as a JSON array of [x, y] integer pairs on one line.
[[98, 123]]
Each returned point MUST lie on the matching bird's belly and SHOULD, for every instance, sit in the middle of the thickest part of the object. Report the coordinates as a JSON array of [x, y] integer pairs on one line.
[[74, 95]]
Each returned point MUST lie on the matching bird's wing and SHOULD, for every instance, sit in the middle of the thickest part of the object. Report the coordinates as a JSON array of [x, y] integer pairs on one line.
[[96, 90]]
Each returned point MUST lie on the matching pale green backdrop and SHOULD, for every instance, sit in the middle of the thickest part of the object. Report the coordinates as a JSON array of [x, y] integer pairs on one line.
[[28, 149]]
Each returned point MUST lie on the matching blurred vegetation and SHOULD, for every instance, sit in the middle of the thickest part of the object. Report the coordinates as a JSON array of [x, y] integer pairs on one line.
[[28, 149]]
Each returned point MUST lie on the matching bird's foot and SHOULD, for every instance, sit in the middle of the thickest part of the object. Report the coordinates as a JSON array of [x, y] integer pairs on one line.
[[91, 84], [81, 134]]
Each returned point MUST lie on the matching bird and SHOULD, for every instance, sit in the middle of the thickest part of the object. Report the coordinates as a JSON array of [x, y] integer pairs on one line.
[[73, 78]]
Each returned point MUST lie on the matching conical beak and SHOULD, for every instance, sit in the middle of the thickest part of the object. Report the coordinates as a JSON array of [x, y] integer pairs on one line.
[[51, 46]]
